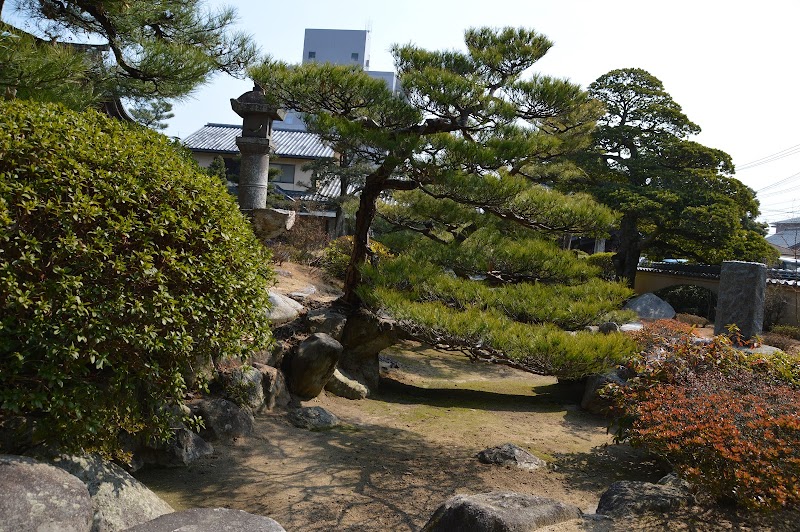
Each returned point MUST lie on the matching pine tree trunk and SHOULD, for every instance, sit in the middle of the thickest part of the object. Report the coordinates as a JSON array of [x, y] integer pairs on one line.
[[626, 260], [364, 217]]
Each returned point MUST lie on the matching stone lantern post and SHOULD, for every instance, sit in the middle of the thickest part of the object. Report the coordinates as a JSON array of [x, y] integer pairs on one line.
[[254, 145]]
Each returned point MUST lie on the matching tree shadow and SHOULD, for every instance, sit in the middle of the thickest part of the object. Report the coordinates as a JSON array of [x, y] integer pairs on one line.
[[547, 398], [356, 478]]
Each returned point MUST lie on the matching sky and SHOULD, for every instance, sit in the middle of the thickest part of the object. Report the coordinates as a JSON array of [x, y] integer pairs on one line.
[[730, 65]]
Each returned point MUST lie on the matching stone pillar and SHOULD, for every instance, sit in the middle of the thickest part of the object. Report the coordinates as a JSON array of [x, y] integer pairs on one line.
[[255, 145], [742, 289]]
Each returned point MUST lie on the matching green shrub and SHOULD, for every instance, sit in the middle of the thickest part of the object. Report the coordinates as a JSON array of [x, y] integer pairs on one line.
[[122, 265], [336, 255], [690, 299], [605, 263], [792, 331]]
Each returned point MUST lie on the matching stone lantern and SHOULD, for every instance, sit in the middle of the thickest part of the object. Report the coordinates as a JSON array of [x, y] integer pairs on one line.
[[255, 145]]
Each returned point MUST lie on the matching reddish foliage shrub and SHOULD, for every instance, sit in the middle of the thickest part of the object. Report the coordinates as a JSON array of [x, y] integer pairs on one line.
[[736, 435], [726, 420]]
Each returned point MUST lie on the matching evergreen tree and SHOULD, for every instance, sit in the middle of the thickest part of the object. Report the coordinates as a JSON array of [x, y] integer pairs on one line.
[[460, 154], [152, 113], [158, 49], [677, 197]]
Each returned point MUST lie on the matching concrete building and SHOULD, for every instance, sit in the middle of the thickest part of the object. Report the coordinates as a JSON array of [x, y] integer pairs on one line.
[[339, 47]]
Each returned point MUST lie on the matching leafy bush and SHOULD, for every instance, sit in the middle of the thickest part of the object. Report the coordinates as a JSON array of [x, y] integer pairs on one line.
[[725, 419], [122, 266], [605, 262], [792, 331], [690, 299], [336, 255]]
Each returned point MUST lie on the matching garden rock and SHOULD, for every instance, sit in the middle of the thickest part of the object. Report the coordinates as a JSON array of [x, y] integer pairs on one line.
[[509, 454], [313, 418], [631, 327], [364, 336], [210, 520], [119, 501], [224, 420], [628, 497], [591, 401], [40, 497], [276, 395], [608, 327], [244, 383], [650, 307], [304, 294], [343, 386], [326, 321], [270, 223], [284, 309], [183, 449], [312, 364], [499, 512]]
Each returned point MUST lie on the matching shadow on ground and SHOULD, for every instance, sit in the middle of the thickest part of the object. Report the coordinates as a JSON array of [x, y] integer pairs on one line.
[[357, 478]]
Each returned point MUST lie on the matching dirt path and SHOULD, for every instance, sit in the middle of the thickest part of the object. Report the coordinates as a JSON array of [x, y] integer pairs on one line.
[[407, 449]]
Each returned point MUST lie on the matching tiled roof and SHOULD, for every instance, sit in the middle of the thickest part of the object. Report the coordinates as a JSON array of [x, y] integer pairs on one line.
[[325, 193], [221, 138], [785, 239], [789, 221]]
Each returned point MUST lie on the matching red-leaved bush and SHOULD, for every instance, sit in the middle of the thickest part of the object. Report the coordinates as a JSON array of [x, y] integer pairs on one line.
[[727, 421]]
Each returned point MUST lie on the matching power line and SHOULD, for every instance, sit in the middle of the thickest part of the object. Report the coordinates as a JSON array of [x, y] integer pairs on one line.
[[770, 158], [775, 184]]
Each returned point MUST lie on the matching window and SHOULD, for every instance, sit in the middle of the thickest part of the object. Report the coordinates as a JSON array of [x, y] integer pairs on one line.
[[286, 175], [312, 55], [354, 56]]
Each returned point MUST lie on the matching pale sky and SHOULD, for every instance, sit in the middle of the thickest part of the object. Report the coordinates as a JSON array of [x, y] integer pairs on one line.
[[731, 65]]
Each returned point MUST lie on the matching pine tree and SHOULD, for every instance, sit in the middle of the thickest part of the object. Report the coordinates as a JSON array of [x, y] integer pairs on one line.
[[154, 50], [459, 159], [677, 197]]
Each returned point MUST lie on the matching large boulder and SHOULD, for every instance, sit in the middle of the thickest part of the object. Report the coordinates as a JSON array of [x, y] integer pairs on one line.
[[276, 394], [343, 386], [650, 307], [509, 454], [244, 383], [270, 223], [283, 309], [182, 449], [223, 419], [119, 501], [326, 321], [499, 512], [591, 401], [39, 497], [364, 336], [210, 520], [629, 497], [312, 364]]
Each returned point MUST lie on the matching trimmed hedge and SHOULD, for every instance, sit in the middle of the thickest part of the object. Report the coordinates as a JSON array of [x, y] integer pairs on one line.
[[122, 265]]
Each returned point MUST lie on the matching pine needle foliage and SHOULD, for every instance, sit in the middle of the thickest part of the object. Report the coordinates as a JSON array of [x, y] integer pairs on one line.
[[460, 174], [122, 265]]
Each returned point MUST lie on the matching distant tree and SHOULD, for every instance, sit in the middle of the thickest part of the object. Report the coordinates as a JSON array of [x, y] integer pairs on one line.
[[677, 197], [217, 169], [459, 156], [153, 113], [162, 49]]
